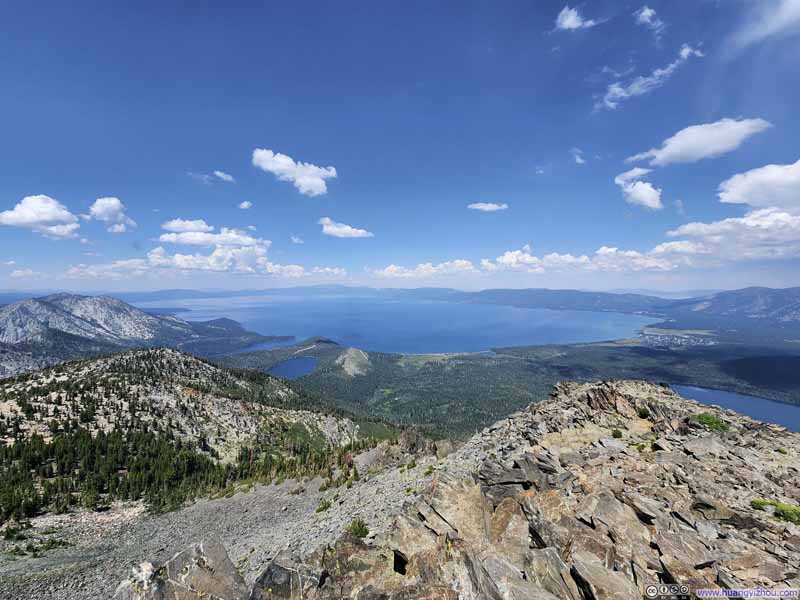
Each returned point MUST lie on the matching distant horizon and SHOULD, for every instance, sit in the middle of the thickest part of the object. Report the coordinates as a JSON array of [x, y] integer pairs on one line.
[[688, 293]]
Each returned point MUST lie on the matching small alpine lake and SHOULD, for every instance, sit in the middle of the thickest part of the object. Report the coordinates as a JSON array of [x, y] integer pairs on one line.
[[292, 368]]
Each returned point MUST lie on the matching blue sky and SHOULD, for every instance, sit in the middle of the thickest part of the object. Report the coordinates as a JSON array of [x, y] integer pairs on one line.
[[368, 130]]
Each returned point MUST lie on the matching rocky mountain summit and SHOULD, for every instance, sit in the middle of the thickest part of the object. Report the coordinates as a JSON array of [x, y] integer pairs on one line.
[[100, 318], [596, 493]]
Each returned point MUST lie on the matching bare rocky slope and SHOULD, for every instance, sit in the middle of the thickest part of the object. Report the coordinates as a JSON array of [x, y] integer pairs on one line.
[[596, 493]]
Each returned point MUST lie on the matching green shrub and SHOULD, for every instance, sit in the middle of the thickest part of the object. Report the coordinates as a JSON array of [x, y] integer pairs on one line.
[[428, 470], [643, 413], [323, 506], [787, 512], [616, 434], [358, 528], [713, 422], [13, 534]]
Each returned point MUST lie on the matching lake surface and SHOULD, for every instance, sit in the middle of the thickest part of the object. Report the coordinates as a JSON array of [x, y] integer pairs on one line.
[[411, 326], [761, 409], [292, 368]]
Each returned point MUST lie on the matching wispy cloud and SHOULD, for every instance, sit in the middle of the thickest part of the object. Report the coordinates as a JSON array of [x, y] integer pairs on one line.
[[766, 19], [296, 240], [224, 177], [208, 179], [203, 178], [245, 205], [647, 17], [25, 274], [570, 19], [487, 206], [617, 92], [577, 156]]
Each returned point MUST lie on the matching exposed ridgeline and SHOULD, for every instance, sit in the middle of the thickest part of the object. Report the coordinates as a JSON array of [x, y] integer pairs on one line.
[[42, 331], [593, 494], [154, 424]]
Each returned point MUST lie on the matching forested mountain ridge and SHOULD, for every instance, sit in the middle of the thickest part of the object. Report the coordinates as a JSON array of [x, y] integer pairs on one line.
[[154, 424]]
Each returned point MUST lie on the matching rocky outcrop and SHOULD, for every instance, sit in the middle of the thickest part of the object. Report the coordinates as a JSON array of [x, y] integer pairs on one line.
[[201, 571], [354, 362], [594, 494]]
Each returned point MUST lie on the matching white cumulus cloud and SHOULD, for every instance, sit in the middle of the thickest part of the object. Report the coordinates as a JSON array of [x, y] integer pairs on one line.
[[708, 140], [111, 211], [762, 234], [184, 225], [765, 187], [604, 259], [44, 215], [426, 270], [342, 230], [225, 237], [296, 240], [309, 179], [250, 260], [245, 205], [487, 206], [636, 191]]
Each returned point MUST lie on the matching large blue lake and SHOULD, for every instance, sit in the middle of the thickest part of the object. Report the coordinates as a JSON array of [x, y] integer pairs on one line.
[[760, 409], [411, 326]]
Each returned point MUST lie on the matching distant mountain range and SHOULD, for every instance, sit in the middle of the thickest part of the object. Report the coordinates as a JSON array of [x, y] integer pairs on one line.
[[36, 332], [41, 331], [754, 301]]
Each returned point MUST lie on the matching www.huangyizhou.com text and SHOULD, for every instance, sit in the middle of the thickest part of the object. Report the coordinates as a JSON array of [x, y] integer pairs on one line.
[[747, 593]]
